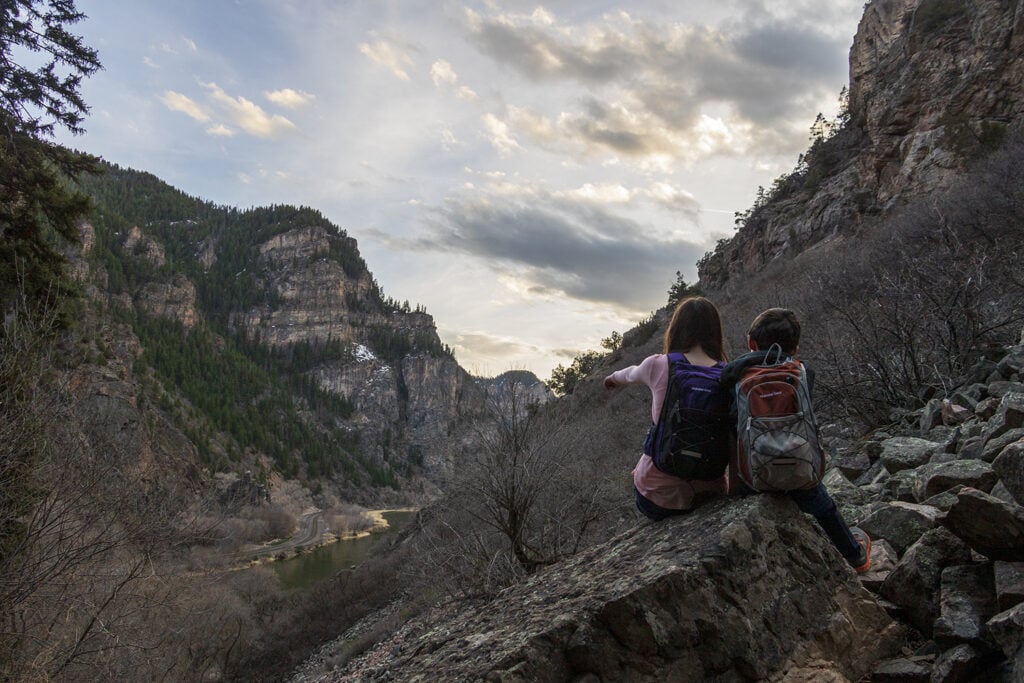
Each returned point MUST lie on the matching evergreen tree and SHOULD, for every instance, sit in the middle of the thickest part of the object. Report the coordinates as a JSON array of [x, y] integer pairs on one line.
[[38, 207]]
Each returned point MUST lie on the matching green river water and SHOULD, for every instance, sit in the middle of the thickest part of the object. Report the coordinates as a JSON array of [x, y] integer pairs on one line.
[[326, 561]]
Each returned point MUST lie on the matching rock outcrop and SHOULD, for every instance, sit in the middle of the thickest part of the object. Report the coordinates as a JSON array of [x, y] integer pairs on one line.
[[406, 404], [739, 590], [932, 82]]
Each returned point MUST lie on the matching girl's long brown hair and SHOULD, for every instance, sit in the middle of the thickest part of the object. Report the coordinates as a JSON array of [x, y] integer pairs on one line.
[[696, 322]]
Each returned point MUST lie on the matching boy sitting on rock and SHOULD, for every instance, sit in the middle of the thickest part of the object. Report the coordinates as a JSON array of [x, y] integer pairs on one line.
[[774, 338]]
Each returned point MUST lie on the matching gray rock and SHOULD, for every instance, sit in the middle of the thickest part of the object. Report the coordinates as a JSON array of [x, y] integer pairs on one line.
[[904, 452], [994, 447], [901, 670], [968, 396], [971, 448], [1012, 363], [902, 486], [1002, 388], [931, 415], [853, 464], [1010, 415], [1009, 583], [901, 524], [737, 590], [1007, 629], [951, 444], [944, 500], [1002, 493], [988, 525], [932, 479], [914, 583], [871, 474], [959, 664], [986, 408], [1010, 468], [979, 372], [883, 560], [968, 600], [843, 490]]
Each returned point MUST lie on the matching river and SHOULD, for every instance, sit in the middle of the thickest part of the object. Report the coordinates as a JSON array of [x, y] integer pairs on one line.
[[327, 560]]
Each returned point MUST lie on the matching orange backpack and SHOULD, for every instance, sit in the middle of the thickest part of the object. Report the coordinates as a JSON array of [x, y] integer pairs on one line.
[[778, 444]]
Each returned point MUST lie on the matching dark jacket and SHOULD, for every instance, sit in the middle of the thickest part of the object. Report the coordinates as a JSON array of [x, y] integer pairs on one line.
[[733, 371]]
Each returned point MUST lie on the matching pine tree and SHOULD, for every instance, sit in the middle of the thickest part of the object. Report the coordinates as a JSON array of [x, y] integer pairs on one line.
[[38, 206]]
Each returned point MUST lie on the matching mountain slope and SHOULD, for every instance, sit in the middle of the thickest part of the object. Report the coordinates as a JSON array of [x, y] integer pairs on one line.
[[274, 345]]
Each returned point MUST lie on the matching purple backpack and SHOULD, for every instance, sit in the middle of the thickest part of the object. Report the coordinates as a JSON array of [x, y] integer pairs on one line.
[[691, 438]]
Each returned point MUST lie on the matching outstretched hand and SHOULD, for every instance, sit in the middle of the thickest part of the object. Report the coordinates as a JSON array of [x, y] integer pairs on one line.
[[609, 383]]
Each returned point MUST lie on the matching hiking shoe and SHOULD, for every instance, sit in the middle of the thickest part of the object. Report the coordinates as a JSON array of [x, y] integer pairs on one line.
[[862, 562]]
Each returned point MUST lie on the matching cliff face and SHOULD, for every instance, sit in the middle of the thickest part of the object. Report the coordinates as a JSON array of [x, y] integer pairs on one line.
[[932, 84], [407, 401], [313, 295]]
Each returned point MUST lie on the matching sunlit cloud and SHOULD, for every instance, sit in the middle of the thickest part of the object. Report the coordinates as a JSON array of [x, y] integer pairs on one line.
[[220, 130], [442, 73], [249, 116], [177, 102], [499, 134], [389, 56], [288, 98]]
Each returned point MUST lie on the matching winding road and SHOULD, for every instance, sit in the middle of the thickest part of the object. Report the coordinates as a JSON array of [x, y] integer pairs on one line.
[[312, 527]]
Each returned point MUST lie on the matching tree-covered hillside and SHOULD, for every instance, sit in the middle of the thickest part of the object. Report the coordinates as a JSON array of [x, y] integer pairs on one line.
[[232, 395]]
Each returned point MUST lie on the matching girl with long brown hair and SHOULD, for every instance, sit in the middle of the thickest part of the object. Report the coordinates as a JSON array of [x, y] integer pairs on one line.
[[696, 332]]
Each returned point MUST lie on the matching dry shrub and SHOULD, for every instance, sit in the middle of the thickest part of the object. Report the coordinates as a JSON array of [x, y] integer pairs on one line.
[[349, 519], [524, 497], [911, 301]]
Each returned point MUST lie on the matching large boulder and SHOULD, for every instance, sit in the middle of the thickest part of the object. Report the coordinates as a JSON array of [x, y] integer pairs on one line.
[[906, 452], [988, 525], [900, 523], [738, 590], [914, 585], [1010, 468]]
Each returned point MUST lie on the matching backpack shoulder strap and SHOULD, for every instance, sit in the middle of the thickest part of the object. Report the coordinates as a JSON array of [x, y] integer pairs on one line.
[[675, 357]]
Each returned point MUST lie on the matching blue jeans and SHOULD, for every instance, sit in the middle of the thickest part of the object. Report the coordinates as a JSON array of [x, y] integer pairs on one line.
[[817, 503]]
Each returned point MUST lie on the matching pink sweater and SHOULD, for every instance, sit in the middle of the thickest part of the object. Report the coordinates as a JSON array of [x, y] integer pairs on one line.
[[661, 489]]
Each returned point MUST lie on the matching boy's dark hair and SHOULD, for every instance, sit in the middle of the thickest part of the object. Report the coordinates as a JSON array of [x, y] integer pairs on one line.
[[776, 326]]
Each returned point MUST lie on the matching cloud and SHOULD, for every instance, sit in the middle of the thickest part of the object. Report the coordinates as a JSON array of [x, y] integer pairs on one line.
[[552, 245], [288, 98], [647, 90], [249, 116], [443, 75], [389, 56], [481, 344], [177, 102], [221, 130], [500, 135]]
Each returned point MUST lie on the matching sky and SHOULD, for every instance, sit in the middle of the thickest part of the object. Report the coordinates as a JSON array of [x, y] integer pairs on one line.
[[533, 174]]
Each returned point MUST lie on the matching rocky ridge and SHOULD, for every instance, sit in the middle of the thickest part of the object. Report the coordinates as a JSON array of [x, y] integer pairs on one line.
[[749, 589], [932, 84]]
